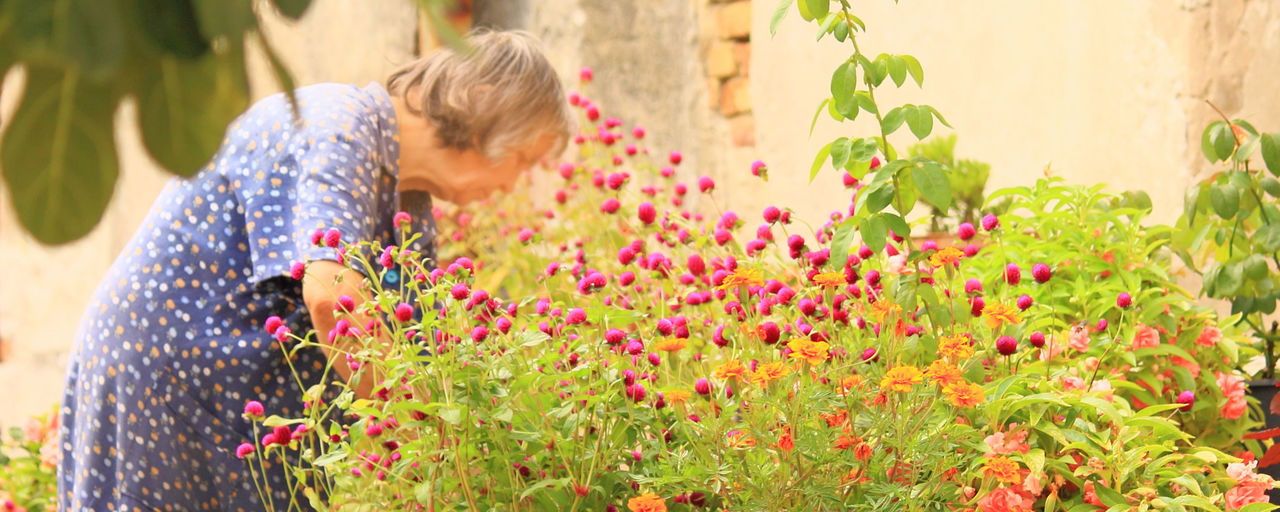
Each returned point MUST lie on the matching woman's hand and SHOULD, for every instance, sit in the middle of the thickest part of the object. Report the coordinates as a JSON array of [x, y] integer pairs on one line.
[[320, 291]]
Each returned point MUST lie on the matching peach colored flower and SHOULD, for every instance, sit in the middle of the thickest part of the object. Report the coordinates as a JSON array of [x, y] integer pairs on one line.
[[1004, 443], [1233, 388], [896, 264], [1239, 496], [946, 256], [647, 502], [1209, 337], [1003, 469], [728, 370], [1072, 383], [742, 276], [1006, 499], [1052, 348], [769, 372], [670, 344], [1191, 366], [814, 352], [997, 314], [829, 279], [676, 396], [901, 378], [1145, 337], [963, 394], [941, 372], [955, 348], [1079, 339]]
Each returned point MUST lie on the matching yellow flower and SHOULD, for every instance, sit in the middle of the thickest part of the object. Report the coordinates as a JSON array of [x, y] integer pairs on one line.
[[998, 314], [769, 372], [963, 394], [829, 279], [1003, 469], [882, 309], [849, 383], [901, 378], [942, 372], [730, 369], [955, 348], [946, 256], [647, 502], [742, 276], [670, 344], [806, 349], [676, 396]]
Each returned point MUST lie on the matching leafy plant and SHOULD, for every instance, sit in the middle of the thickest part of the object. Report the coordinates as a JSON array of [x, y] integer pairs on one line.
[[967, 178], [28, 458], [182, 61]]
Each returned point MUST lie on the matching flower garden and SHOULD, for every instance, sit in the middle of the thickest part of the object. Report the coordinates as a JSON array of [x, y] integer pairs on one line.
[[631, 345]]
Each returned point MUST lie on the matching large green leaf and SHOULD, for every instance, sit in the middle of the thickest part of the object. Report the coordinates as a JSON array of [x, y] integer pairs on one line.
[[1225, 199], [85, 33], [919, 120], [840, 152], [229, 18], [913, 67], [840, 243], [296, 8], [59, 156], [170, 26], [813, 9], [185, 108], [844, 85], [1271, 152], [879, 197], [932, 183], [873, 231]]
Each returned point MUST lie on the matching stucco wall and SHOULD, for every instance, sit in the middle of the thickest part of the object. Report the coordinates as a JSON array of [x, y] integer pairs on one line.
[[44, 290]]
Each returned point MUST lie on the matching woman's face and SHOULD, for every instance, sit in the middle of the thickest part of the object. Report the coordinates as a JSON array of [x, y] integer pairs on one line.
[[464, 176]]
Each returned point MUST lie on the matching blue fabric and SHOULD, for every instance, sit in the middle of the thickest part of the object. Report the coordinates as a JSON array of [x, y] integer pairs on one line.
[[172, 344]]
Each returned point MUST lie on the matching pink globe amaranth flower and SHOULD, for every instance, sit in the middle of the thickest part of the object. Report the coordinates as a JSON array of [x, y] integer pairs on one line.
[[575, 99], [1037, 339], [681, 189], [971, 250], [526, 234], [586, 75], [610, 205], [758, 168], [332, 237], [626, 278], [772, 214], [575, 316], [1187, 399], [298, 270], [848, 180], [373, 429], [566, 170], [253, 409], [976, 305], [769, 332], [460, 291], [718, 337], [1006, 345], [272, 324], [1012, 274], [345, 304], [755, 246], [655, 359], [870, 355], [593, 112], [404, 312], [244, 450], [646, 213], [865, 252], [702, 386], [637, 132], [317, 237], [675, 158], [614, 336], [282, 334], [635, 347], [552, 268], [616, 180], [929, 245], [990, 222], [723, 236], [1025, 302], [636, 392], [972, 286], [479, 333], [1041, 272], [696, 265], [706, 184], [401, 219], [503, 325], [268, 440], [1124, 300], [966, 231], [873, 277], [1102, 324], [795, 242]]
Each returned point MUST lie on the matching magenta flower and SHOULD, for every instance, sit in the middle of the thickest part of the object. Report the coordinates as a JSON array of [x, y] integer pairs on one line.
[[244, 450], [253, 409]]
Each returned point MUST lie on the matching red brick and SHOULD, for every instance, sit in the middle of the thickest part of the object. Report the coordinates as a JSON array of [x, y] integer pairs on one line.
[[735, 96], [742, 130], [733, 21]]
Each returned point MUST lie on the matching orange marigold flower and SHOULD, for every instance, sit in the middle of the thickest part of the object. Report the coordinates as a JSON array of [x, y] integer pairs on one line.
[[997, 314], [1003, 469], [834, 419], [739, 439], [845, 443], [742, 276], [882, 309], [670, 344], [647, 502], [786, 442], [850, 383], [806, 349], [829, 279], [901, 378], [955, 348], [676, 396], [769, 372], [728, 370], [862, 451], [946, 256], [963, 394], [942, 372]]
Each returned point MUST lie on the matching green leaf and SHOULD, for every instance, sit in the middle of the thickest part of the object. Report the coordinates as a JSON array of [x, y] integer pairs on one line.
[[863, 99], [280, 421], [827, 22], [840, 152], [893, 119], [1206, 142], [58, 155], [937, 114], [1229, 280], [229, 18], [913, 67], [863, 150], [919, 120], [818, 160], [873, 231], [813, 9], [294, 9], [171, 27], [841, 32], [452, 414], [328, 459], [1224, 142], [880, 197], [186, 106], [821, 106], [1225, 199], [1270, 152], [531, 338], [1108, 496], [896, 224], [897, 69], [844, 85], [932, 183], [88, 34], [840, 243]]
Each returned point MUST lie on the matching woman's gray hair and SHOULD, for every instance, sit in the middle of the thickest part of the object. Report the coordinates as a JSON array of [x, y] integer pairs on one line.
[[498, 94]]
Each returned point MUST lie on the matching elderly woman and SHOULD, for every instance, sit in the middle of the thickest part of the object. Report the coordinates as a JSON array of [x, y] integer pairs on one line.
[[173, 345]]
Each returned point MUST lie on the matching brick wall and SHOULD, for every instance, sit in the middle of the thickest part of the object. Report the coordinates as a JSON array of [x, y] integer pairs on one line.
[[728, 65]]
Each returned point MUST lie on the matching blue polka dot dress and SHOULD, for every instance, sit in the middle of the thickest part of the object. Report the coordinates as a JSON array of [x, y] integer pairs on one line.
[[172, 344]]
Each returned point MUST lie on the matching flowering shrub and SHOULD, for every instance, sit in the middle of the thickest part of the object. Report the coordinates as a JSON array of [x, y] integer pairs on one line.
[[28, 461], [617, 350]]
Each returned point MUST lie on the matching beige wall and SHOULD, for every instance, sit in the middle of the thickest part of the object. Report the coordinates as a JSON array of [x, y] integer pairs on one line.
[[44, 290], [1104, 91]]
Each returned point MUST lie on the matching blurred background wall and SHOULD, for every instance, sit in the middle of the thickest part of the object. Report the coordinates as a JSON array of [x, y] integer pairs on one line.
[[1097, 91]]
